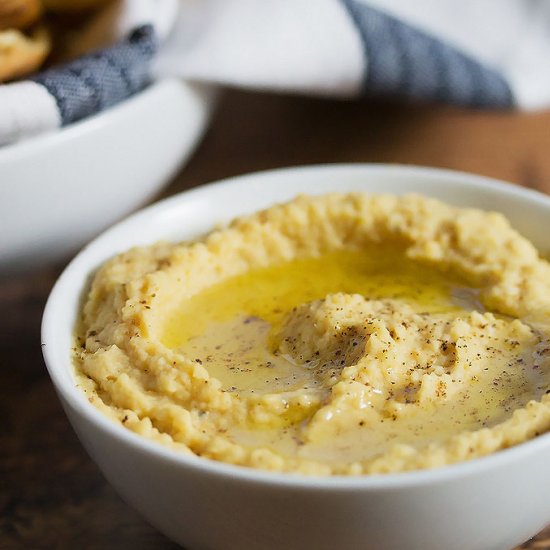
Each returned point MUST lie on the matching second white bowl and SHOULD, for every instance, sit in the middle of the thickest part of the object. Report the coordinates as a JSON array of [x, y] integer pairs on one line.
[[59, 190]]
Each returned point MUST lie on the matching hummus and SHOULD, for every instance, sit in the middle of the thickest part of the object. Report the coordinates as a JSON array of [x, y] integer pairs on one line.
[[342, 334]]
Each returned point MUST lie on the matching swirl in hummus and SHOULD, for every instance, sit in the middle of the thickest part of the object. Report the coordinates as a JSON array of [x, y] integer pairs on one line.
[[341, 334]]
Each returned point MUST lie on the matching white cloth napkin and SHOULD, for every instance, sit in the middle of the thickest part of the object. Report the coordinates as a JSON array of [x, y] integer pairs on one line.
[[475, 53]]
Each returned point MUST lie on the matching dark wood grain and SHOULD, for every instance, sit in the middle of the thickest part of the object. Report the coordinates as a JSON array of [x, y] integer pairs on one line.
[[51, 494]]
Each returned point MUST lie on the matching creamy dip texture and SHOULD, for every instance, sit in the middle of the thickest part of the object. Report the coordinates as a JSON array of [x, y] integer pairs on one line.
[[344, 334]]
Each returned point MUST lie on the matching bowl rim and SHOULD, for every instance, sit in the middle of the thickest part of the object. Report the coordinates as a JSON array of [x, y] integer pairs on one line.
[[74, 397], [96, 121]]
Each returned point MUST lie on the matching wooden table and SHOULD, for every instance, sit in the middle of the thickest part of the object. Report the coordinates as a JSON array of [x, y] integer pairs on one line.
[[51, 494]]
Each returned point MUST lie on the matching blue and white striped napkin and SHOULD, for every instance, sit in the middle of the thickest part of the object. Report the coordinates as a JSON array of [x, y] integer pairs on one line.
[[474, 53]]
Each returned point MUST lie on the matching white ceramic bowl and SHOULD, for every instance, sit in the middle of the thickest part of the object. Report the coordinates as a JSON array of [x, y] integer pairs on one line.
[[491, 503], [59, 190]]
